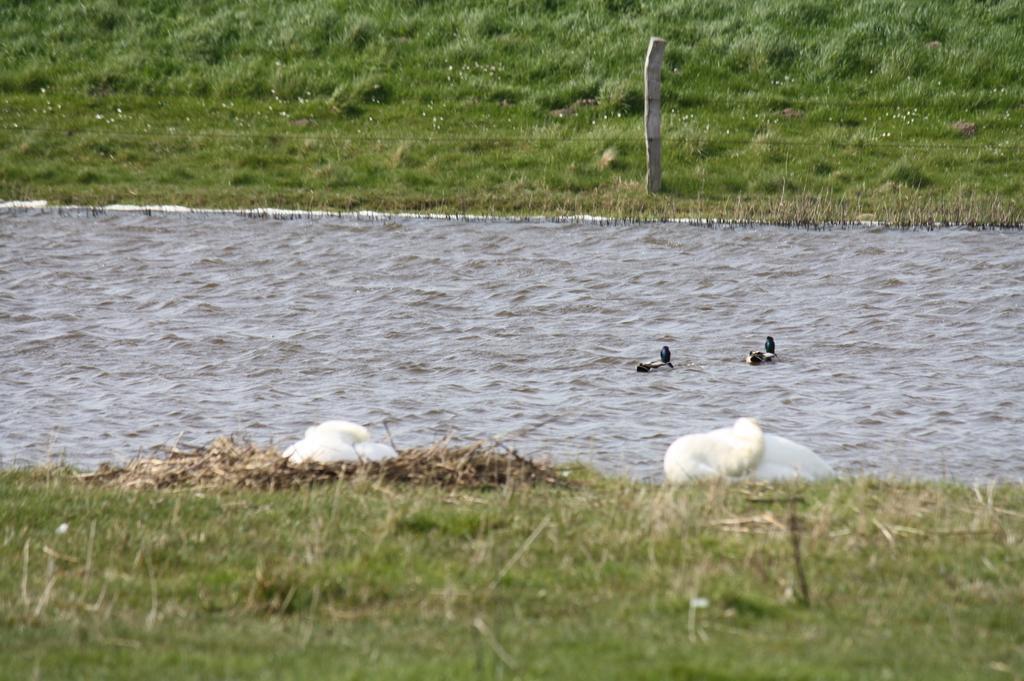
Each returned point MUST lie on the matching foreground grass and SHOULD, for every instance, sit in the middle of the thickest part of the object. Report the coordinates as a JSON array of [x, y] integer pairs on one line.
[[792, 110], [359, 580]]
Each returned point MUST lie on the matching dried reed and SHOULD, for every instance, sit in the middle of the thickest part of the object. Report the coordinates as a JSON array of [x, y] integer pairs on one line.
[[235, 462]]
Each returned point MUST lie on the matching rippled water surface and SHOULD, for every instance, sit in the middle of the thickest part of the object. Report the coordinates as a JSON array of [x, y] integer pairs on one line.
[[901, 351]]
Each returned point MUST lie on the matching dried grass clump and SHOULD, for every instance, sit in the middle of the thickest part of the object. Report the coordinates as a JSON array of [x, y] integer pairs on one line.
[[234, 462]]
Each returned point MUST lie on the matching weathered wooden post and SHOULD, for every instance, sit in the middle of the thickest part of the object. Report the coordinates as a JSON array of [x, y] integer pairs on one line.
[[652, 112]]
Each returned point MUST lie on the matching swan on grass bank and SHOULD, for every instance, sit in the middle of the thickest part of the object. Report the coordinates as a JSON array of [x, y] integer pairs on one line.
[[334, 441], [743, 451]]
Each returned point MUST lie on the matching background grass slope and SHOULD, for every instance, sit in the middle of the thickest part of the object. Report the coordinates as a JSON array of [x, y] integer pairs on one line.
[[450, 104], [546, 53]]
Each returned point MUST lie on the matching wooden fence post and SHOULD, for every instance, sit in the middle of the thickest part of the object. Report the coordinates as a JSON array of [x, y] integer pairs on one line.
[[652, 112]]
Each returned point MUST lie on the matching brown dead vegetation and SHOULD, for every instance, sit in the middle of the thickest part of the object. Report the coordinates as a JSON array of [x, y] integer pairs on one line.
[[231, 462]]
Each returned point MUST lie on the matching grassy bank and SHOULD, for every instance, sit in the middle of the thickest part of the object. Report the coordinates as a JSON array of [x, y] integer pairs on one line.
[[796, 110], [364, 580]]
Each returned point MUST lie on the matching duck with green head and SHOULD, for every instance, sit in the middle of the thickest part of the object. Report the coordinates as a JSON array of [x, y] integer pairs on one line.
[[759, 357], [665, 363]]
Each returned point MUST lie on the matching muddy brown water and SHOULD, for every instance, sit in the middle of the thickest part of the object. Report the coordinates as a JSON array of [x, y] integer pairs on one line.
[[900, 351]]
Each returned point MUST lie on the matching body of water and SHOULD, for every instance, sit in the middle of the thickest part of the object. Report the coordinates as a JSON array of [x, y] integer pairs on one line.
[[899, 351]]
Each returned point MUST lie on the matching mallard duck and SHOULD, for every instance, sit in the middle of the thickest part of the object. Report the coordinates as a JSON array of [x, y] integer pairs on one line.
[[665, 363], [759, 357], [334, 441], [742, 451]]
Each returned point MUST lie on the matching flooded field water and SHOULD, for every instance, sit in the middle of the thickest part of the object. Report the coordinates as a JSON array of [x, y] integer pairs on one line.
[[900, 351]]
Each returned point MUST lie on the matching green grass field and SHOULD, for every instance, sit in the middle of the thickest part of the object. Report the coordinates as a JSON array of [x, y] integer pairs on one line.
[[363, 581], [793, 110]]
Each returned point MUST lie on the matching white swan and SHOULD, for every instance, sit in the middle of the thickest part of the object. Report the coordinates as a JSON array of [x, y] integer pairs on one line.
[[743, 451], [375, 451], [334, 441]]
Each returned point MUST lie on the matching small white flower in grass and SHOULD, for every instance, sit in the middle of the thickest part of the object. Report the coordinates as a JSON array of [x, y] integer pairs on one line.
[[699, 602], [62, 528]]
